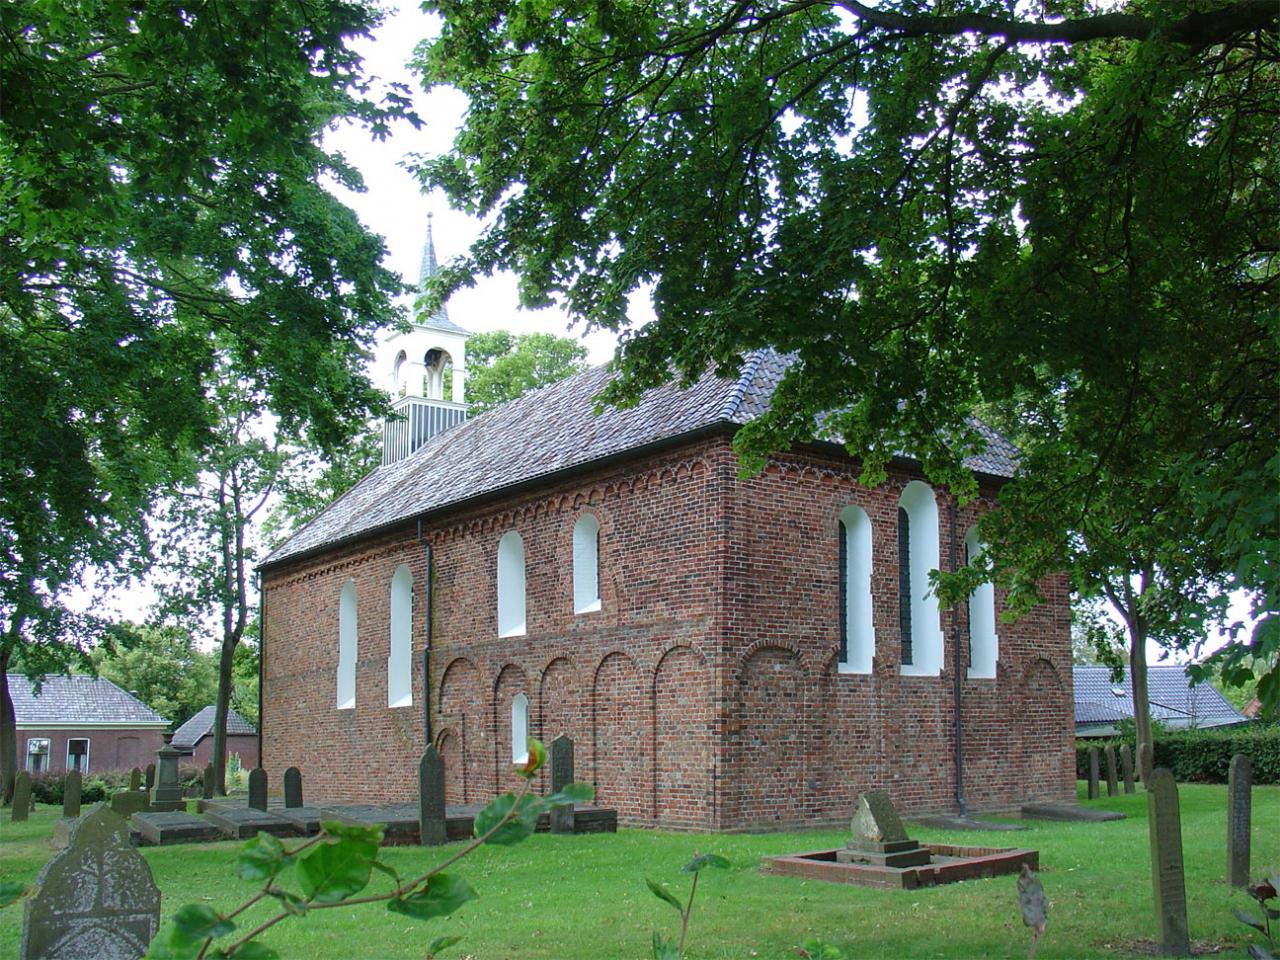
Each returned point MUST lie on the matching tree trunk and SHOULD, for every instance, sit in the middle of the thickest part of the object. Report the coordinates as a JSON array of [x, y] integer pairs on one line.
[[221, 705], [8, 734], [1141, 698]]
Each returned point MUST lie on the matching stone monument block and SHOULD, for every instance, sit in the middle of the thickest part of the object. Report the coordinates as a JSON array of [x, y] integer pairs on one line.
[[206, 782], [1093, 773], [1126, 765], [258, 788], [1239, 819], [879, 838], [166, 791], [561, 776], [95, 899], [1169, 883], [126, 803], [21, 808], [432, 827], [71, 788], [1113, 780], [293, 788]]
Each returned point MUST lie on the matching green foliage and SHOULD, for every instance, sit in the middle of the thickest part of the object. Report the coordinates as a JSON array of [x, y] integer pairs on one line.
[[502, 366], [673, 948], [313, 479], [1204, 756], [161, 665], [1262, 892]]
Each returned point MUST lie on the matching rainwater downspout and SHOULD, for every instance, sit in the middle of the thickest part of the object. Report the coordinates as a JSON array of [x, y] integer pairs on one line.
[[957, 664], [426, 648], [262, 655]]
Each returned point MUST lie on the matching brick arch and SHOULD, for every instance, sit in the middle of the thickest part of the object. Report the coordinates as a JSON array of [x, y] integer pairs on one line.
[[683, 729], [771, 742], [463, 706], [511, 680], [619, 738], [449, 744], [1045, 720]]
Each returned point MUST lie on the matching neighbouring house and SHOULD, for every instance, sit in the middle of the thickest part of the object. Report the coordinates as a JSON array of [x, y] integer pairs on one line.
[[194, 738], [727, 652], [83, 723], [1102, 703]]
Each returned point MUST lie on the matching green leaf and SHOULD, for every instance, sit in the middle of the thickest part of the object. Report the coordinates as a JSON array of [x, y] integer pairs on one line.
[[353, 831], [165, 947], [664, 949], [293, 904], [536, 758], [261, 858], [662, 893], [440, 943], [333, 872], [443, 895], [11, 891], [572, 793], [197, 921], [705, 860], [518, 828], [386, 868], [253, 950], [1252, 919]]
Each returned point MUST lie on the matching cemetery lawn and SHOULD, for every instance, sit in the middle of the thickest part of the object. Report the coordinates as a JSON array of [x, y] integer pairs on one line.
[[585, 897]]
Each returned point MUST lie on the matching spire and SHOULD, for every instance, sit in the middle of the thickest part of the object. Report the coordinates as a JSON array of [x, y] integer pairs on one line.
[[428, 269]]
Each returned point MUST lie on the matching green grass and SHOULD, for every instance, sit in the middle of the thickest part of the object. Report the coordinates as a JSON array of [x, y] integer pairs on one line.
[[567, 897]]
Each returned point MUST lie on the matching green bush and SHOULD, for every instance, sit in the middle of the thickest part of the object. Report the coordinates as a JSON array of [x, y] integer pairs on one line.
[[1203, 756], [47, 786]]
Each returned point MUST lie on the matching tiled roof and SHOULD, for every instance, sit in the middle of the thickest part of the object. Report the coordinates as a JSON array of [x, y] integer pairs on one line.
[[78, 699], [1174, 701], [201, 725], [548, 431]]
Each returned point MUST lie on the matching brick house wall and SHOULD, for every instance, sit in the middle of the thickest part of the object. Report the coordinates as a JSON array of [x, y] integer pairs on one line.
[[242, 744], [703, 694], [109, 749]]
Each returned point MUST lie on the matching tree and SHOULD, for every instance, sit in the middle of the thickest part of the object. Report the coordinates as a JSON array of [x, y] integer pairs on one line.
[[162, 666], [1065, 211], [502, 366], [162, 190]]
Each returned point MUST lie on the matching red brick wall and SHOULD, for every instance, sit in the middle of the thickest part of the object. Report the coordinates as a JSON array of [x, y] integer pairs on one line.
[[108, 749], [244, 745], [704, 693]]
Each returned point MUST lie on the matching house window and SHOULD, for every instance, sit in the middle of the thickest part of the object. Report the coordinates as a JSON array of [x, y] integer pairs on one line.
[[78, 754], [857, 635], [919, 625], [347, 647], [400, 661], [519, 728], [586, 564], [511, 585], [38, 754], [984, 644]]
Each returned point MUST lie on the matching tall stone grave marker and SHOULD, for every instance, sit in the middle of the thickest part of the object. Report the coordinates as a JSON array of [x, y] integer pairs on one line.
[[21, 808], [1239, 819], [71, 788], [206, 782], [1113, 782], [258, 788], [1126, 765], [432, 829], [561, 777], [95, 899], [293, 787], [166, 791], [150, 781], [1093, 773], [135, 779], [1166, 864]]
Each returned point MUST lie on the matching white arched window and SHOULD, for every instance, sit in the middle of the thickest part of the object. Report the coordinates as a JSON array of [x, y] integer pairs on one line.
[[984, 644], [857, 635], [586, 564], [919, 625], [519, 728], [400, 661], [397, 374], [347, 646], [510, 585]]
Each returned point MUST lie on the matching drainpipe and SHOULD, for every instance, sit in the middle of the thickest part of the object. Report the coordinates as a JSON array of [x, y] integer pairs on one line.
[[958, 664], [262, 654], [426, 649]]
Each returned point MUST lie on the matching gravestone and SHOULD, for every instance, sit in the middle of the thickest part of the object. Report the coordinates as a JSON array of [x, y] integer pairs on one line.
[[126, 803], [1239, 819], [1166, 864], [1093, 773], [96, 898], [1126, 765], [561, 777], [293, 787], [879, 838], [135, 779], [71, 795], [258, 788], [1113, 782], [432, 828], [150, 781], [166, 794], [206, 782], [21, 808]]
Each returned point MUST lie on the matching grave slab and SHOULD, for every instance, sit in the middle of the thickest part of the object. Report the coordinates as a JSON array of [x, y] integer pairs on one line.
[[306, 820], [241, 823], [398, 820], [1066, 812], [163, 827]]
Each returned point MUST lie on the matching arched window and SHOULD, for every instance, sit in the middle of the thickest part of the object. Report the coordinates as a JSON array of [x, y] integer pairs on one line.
[[586, 564], [857, 635], [984, 644], [397, 374], [400, 661], [519, 728], [511, 585], [919, 625], [347, 646]]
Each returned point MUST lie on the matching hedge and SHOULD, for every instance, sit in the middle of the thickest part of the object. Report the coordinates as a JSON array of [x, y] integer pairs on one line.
[[47, 786], [1202, 756]]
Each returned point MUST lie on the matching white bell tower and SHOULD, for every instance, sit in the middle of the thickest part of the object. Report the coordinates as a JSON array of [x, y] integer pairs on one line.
[[426, 373]]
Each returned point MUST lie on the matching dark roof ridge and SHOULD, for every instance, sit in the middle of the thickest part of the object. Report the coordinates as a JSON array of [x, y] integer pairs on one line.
[[745, 376]]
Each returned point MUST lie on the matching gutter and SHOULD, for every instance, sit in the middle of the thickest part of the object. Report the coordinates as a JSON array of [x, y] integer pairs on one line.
[[426, 649], [957, 663], [262, 657]]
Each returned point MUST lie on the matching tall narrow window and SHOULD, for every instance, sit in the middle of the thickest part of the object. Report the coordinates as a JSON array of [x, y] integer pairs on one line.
[[78, 755], [400, 661], [38, 754], [984, 643], [586, 564], [511, 609], [857, 634], [347, 646], [919, 623], [519, 728]]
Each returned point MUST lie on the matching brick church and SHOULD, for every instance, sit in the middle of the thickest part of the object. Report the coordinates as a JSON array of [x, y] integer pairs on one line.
[[726, 653]]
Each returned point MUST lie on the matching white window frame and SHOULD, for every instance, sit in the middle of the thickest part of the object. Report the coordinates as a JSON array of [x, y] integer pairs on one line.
[[984, 641], [400, 652], [921, 505], [46, 752], [511, 585], [519, 728], [87, 744], [860, 634], [586, 564], [348, 645]]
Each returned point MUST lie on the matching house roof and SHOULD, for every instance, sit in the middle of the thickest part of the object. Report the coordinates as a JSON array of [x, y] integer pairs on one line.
[[1174, 701], [201, 725], [81, 700], [550, 431]]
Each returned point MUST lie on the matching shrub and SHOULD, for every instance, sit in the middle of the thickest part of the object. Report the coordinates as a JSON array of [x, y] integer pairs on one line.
[[1203, 756], [48, 786]]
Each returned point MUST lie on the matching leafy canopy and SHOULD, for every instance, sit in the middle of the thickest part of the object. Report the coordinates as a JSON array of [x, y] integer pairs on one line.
[[502, 366]]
